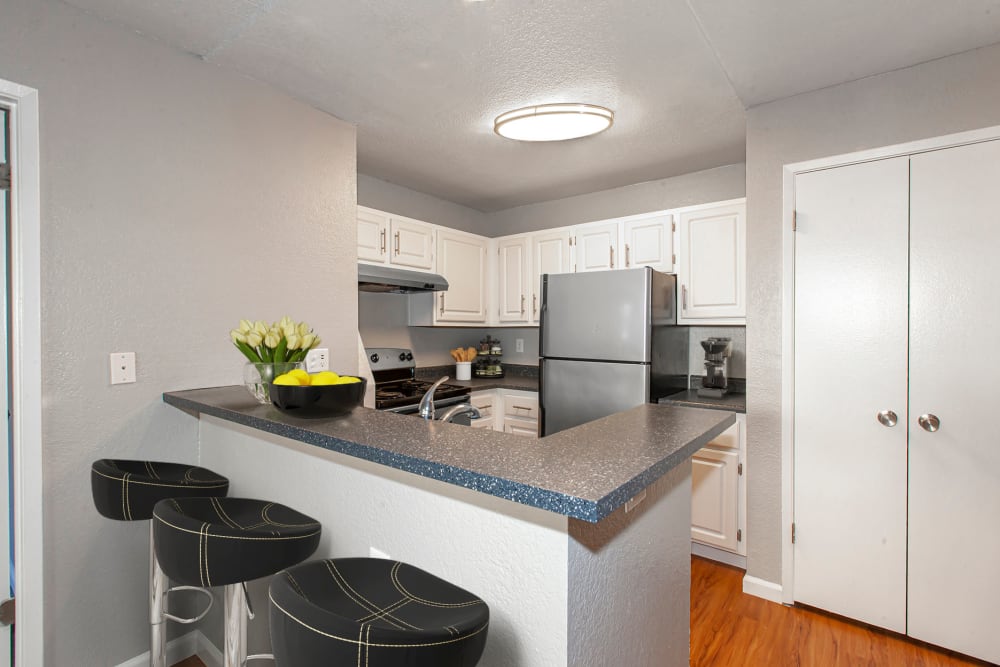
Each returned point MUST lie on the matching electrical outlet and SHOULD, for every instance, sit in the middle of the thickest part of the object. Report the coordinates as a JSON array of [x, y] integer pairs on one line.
[[519, 345], [318, 359], [122, 367], [377, 553]]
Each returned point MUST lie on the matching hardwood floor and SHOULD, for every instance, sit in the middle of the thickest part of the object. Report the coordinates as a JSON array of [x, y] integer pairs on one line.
[[731, 628], [193, 661]]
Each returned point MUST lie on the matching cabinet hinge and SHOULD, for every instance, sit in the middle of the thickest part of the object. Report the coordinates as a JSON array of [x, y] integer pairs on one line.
[[673, 226], [4, 176], [739, 534], [572, 240], [795, 221], [673, 259], [793, 533], [739, 469]]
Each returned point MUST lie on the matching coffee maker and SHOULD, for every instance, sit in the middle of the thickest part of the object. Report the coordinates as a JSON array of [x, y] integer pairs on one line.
[[715, 384]]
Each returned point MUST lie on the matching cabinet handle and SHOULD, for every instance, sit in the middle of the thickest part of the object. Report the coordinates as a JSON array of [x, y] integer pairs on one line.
[[887, 418], [628, 261], [929, 422], [397, 243], [534, 304], [522, 304], [521, 407], [684, 297], [442, 303], [382, 234], [612, 248]]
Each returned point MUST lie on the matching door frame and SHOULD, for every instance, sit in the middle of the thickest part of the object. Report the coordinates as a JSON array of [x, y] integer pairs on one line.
[[26, 368], [789, 172]]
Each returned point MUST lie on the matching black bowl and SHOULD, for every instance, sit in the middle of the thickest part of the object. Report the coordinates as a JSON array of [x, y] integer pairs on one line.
[[329, 400]]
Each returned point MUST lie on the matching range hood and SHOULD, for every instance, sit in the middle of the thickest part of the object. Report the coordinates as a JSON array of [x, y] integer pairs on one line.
[[374, 278]]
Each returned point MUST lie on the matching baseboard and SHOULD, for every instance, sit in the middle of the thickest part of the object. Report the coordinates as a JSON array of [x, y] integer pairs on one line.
[[718, 555], [177, 649], [207, 651], [762, 589]]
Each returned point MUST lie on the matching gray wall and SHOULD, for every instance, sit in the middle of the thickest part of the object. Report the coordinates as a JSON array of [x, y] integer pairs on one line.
[[396, 199], [952, 94], [697, 188], [176, 199]]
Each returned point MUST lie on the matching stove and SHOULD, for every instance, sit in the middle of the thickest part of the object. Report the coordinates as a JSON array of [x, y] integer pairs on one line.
[[396, 386]]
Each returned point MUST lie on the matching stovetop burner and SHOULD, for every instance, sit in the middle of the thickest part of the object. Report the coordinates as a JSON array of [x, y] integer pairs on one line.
[[396, 388]]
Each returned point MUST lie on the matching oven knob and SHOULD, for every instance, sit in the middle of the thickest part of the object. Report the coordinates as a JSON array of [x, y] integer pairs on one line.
[[374, 358], [402, 356], [409, 356]]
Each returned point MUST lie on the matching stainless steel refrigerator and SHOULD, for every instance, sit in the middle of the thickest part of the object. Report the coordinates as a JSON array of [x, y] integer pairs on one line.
[[608, 341]]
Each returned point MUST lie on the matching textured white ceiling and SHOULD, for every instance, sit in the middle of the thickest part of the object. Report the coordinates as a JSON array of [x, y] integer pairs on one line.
[[423, 79]]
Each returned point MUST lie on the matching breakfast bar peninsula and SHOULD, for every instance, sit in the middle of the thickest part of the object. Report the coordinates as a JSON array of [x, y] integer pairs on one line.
[[579, 542]]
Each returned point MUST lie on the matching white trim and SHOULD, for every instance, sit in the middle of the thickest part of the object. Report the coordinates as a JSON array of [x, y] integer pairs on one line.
[[179, 648], [767, 590], [789, 171], [718, 555], [26, 367]]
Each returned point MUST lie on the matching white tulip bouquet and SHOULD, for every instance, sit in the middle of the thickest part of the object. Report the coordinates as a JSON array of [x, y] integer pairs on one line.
[[284, 341]]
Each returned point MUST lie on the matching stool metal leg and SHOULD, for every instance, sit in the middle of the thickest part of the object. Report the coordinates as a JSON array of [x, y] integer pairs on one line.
[[235, 649], [157, 597]]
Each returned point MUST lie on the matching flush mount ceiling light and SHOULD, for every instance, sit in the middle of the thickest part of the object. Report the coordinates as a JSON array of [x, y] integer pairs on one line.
[[553, 122]]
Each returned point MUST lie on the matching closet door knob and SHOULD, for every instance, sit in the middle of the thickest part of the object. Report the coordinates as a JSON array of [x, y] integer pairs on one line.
[[929, 422], [887, 418]]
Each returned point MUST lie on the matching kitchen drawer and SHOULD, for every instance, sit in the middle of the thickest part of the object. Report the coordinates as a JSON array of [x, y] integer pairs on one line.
[[520, 407], [483, 422], [728, 439], [523, 427], [485, 401]]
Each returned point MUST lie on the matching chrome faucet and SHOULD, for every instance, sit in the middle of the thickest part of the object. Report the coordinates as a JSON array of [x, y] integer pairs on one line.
[[427, 402], [460, 409]]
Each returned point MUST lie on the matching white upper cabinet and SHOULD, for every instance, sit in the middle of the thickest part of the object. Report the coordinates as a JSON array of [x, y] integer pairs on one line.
[[596, 247], [649, 241], [712, 265], [550, 253], [462, 261], [385, 238], [514, 289]]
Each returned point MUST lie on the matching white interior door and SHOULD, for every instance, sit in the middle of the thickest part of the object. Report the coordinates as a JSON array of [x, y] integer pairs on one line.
[[954, 583], [850, 364], [6, 572]]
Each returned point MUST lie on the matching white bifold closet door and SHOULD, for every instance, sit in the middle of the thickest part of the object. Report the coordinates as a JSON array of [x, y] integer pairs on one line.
[[850, 365], [954, 517]]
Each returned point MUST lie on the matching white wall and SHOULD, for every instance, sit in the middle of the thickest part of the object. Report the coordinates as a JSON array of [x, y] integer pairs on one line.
[[949, 95], [176, 199], [385, 196]]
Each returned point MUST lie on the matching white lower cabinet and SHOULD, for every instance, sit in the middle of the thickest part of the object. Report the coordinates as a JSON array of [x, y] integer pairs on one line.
[[717, 491], [507, 410]]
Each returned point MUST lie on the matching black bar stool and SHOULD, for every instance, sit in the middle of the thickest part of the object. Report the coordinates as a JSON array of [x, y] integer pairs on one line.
[[228, 542], [127, 490], [373, 612]]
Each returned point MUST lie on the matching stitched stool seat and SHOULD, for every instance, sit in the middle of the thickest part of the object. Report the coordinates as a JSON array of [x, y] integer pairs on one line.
[[127, 490], [221, 541], [373, 612]]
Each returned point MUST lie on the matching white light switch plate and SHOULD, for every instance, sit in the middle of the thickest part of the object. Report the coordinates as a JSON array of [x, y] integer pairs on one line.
[[122, 367]]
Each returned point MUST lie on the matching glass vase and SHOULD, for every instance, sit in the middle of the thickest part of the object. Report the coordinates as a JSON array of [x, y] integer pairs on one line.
[[257, 376]]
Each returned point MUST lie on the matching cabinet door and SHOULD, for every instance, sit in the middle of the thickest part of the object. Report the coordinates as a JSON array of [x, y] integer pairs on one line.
[[649, 241], [712, 265], [514, 289], [596, 247], [522, 427], [462, 261], [850, 364], [714, 497], [954, 544], [412, 244], [550, 253], [372, 235]]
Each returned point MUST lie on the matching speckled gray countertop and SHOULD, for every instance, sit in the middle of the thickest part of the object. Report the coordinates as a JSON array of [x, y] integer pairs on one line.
[[585, 472], [691, 399]]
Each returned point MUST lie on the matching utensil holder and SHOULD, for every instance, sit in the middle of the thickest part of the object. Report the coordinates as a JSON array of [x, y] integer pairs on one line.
[[463, 370]]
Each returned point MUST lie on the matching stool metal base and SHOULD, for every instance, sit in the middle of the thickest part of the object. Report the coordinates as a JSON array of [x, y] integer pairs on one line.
[[157, 597]]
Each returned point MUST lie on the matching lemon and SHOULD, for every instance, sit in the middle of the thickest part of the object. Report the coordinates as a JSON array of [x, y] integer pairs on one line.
[[325, 377], [347, 379], [287, 378], [300, 375]]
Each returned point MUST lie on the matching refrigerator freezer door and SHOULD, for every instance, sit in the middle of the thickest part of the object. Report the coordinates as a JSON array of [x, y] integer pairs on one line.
[[603, 315], [576, 392]]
